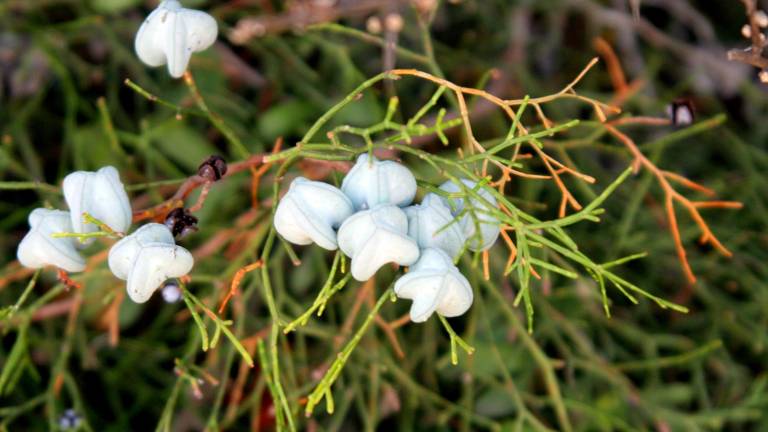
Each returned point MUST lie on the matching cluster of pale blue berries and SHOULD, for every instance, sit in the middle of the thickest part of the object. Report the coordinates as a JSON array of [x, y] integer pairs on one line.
[[372, 221], [370, 218], [148, 257], [145, 259]]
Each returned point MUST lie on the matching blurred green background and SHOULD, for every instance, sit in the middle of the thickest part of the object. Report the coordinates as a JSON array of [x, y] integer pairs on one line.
[[64, 106]]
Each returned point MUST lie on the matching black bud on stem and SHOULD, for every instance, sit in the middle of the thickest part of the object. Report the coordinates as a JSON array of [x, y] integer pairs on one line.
[[213, 168], [181, 222]]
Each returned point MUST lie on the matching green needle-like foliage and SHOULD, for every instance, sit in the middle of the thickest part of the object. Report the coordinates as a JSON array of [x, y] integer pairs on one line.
[[626, 291]]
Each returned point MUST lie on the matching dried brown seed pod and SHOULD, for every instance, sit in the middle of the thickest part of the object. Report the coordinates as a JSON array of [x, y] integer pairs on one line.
[[213, 168], [181, 222]]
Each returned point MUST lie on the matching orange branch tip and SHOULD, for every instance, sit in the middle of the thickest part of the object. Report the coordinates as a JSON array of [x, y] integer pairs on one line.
[[236, 280], [64, 278]]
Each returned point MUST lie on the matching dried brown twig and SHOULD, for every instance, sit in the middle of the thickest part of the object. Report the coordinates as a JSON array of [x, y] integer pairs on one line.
[[709, 59], [190, 185], [555, 168], [754, 54], [664, 178], [303, 14], [672, 196]]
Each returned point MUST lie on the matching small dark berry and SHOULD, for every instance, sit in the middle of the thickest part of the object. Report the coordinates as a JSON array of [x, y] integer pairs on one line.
[[213, 168], [180, 222]]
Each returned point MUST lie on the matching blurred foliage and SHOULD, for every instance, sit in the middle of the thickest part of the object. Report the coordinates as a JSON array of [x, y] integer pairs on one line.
[[642, 368]]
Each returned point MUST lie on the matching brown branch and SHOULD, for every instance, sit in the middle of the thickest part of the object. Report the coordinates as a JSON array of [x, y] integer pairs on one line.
[[304, 14], [708, 59], [110, 319], [352, 313], [671, 196], [758, 42], [54, 309], [749, 57], [615, 72], [16, 272], [236, 282], [506, 106], [754, 54], [190, 185], [512, 248]]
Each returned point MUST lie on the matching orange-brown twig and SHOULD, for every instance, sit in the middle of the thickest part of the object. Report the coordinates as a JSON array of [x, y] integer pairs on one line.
[[403, 320], [506, 106], [257, 174], [671, 196], [615, 72], [665, 178], [53, 309], [201, 198], [567, 197], [512, 248], [568, 92], [111, 318], [346, 328], [690, 184], [236, 280], [227, 235], [189, 186], [16, 272], [540, 113], [533, 271], [64, 278], [717, 204], [641, 120], [385, 326]]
